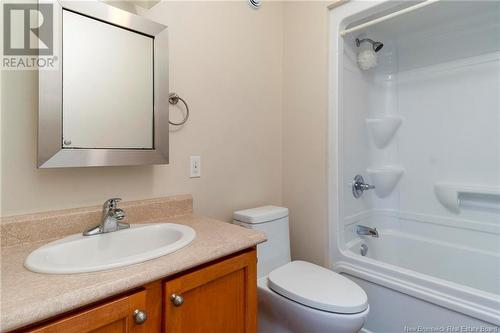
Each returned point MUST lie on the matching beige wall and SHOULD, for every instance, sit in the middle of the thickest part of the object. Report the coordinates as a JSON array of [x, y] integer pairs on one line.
[[305, 103], [256, 82], [226, 61]]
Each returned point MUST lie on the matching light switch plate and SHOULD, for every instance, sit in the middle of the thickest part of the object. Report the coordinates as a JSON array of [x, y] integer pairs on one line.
[[195, 167]]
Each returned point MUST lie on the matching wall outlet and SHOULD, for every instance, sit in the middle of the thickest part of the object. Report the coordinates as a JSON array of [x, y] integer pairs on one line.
[[195, 167]]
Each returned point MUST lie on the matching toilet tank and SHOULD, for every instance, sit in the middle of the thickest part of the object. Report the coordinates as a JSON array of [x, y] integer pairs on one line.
[[273, 221]]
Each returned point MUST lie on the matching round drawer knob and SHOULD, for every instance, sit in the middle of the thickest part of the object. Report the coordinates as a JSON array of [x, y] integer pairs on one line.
[[177, 300], [140, 317]]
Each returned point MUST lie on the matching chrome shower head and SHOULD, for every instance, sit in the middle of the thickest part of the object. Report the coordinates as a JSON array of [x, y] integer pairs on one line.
[[377, 46]]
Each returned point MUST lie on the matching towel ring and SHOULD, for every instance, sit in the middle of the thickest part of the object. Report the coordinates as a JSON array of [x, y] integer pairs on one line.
[[173, 99]]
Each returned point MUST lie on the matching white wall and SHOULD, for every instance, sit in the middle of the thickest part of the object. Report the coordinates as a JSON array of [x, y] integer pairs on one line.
[[226, 61]]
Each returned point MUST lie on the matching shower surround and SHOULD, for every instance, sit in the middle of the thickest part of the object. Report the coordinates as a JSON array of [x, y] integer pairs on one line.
[[423, 127]]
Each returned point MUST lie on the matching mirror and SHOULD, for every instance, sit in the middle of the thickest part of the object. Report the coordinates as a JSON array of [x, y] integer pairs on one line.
[[107, 104], [124, 61]]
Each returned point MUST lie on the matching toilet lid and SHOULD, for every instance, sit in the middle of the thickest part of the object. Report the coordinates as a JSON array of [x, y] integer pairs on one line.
[[318, 288]]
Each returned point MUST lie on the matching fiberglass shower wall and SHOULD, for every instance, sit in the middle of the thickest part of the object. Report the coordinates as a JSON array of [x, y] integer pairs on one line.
[[423, 126]]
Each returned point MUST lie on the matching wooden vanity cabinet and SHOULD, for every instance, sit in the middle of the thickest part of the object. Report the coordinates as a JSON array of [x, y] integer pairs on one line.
[[218, 297]]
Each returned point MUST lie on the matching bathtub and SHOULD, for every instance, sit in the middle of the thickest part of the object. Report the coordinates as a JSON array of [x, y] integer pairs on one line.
[[462, 265], [442, 277], [418, 256]]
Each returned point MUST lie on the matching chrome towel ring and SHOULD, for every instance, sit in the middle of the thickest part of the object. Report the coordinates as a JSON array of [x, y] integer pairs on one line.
[[173, 99]]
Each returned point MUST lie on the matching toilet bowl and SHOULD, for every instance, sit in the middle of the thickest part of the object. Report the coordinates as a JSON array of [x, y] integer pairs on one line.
[[280, 312], [298, 296]]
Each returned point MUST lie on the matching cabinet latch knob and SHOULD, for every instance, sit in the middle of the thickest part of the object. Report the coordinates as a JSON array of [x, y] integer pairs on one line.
[[140, 317], [177, 300]]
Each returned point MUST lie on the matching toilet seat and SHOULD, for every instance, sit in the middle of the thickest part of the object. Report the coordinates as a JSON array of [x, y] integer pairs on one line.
[[318, 288]]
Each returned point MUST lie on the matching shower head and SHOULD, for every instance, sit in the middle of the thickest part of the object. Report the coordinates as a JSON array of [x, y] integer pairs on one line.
[[377, 46]]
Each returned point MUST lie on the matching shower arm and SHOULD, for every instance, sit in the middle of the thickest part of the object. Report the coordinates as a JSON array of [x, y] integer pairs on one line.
[[359, 41]]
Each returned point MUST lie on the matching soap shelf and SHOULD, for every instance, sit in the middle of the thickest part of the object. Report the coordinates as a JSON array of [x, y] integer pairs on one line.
[[385, 178], [449, 193], [383, 129]]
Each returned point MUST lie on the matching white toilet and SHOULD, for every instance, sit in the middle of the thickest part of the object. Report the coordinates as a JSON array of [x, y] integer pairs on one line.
[[297, 296]]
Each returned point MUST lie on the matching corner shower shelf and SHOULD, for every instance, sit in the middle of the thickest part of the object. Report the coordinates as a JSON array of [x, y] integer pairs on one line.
[[385, 178], [449, 193], [383, 129]]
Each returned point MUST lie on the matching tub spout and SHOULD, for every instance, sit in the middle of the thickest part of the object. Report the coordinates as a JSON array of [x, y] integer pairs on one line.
[[366, 231]]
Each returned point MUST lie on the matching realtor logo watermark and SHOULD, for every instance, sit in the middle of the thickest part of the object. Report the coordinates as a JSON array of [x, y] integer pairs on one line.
[[28, 36]]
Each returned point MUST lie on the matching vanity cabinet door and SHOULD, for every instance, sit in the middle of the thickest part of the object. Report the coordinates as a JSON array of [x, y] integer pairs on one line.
[[218, 298], [115, 316]]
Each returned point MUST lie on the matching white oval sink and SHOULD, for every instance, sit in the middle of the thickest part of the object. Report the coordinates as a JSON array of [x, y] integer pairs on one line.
[[80, 254]]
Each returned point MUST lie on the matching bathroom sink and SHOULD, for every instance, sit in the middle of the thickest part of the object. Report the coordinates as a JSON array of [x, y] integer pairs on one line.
[[80, 254]]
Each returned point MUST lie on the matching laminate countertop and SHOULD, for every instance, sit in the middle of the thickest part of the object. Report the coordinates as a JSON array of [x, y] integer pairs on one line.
[[28, 297]]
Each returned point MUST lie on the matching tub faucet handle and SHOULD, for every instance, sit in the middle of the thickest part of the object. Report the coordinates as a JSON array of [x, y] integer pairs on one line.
[[359, 186]]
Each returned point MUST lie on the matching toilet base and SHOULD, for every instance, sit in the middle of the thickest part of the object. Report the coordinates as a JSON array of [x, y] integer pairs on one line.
[[278, 314]]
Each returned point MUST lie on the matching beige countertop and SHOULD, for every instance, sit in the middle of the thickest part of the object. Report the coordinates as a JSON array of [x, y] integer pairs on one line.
[[28, 297]]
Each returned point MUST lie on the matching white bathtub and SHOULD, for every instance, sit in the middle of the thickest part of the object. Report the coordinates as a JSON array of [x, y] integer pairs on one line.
[[463, 265], [422, 256], [433, 283], [409, 259]]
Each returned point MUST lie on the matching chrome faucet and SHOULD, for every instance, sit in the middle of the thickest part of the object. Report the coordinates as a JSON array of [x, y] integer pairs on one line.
[[366, 231], [111, 215]]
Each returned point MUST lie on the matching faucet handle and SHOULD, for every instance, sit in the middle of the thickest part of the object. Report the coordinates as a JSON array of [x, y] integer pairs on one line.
[[359, 186], [111, 204], [120, 214]]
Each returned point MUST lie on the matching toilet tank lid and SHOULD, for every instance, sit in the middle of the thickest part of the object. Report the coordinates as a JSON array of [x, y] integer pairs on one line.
[[260, 214]]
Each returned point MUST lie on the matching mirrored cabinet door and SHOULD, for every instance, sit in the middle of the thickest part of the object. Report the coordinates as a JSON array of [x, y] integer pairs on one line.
[[106, 103], [107, 85]]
